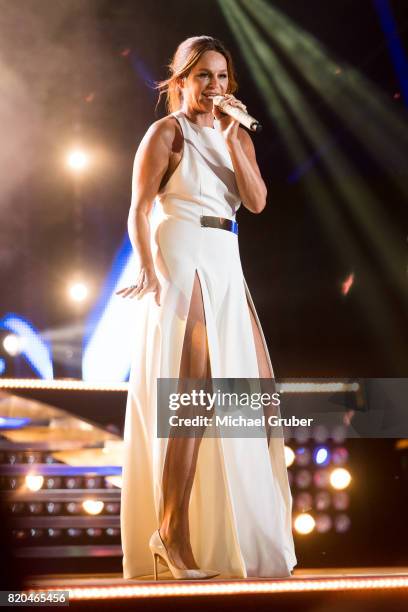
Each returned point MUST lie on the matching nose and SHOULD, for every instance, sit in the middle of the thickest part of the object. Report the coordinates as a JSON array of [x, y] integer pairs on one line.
[[214, 86]]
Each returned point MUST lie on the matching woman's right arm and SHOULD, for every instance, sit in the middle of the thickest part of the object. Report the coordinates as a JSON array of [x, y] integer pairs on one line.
[[150, 164]]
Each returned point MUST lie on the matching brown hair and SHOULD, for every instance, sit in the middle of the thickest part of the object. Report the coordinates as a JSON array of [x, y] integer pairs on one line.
[[185, 58]]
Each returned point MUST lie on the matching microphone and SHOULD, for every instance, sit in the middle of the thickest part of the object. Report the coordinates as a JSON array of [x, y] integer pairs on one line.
[[237, 113]]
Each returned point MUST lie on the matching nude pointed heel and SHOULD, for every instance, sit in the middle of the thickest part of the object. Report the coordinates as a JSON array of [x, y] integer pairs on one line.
[[155, 560], [159, 553]]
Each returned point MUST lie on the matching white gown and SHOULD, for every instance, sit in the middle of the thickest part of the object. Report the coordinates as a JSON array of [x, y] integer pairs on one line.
[[241, 504]]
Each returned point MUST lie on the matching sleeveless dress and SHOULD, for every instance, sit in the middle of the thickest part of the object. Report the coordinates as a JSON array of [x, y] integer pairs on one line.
[[241, 504]]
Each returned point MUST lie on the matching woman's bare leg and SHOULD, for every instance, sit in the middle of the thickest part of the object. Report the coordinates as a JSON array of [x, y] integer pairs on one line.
[[182, 452], [264, 369]]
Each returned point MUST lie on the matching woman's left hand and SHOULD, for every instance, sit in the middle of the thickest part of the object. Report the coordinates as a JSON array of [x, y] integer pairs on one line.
[[229, 126]]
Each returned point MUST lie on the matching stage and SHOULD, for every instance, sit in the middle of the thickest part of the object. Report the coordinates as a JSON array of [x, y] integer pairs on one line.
[[364, 588]]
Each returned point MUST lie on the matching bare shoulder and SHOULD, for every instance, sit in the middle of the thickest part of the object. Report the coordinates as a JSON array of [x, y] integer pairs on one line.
[[163, 130]]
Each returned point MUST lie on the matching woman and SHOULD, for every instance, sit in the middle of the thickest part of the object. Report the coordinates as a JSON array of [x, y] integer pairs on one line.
[[227, 507]]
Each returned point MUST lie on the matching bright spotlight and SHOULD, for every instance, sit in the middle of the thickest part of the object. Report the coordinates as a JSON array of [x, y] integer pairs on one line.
[[340, 478], [289, 456], [77, 160], [78, 292], [321, 455], [34, 482], [304, 523], [93, 506], [13, 344]]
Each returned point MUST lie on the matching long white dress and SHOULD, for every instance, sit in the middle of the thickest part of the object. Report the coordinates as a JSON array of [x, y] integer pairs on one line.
[[241, 504]]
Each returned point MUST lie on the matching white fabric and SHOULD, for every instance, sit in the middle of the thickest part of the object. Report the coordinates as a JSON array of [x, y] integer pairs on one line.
[[240, 510]]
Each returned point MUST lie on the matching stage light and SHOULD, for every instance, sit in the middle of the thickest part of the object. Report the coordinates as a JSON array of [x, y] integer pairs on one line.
[[34, 482], [301, 434], [304, 523], [94, 532], [93, 506], [340, 455], [78, 292], [321, 455], [34, 348], [323, 523], [13, 483], [93, 483], [49, 459], [168, 589], [339, 434], [77, 160], [320, 433], [112, 508], [53, 508], [322, 500], [347, 284], [73, 483], [342, 523], [107, 341], [274, 56], [112, 532], [340, 478], [66, 385], [289, 456], [53, 483], [321, 478], [36, 533], [35, 507], [54, 533], [13, 458], [73, 532], [33, 458], [341, 500], [14, 422], [303, 479], [13, 344], [73, 507], [303, 456], [303, 501]]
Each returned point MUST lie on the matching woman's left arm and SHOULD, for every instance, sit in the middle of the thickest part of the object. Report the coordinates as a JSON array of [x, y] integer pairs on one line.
[[252, 188]]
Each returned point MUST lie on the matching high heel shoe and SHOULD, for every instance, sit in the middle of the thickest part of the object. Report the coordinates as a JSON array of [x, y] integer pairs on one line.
[[160, 554]]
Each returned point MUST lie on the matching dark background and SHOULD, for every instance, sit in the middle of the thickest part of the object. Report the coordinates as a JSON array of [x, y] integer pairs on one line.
[[79, 69]]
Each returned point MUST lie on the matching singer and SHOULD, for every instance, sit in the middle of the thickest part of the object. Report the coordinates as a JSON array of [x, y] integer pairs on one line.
[[210, 506]]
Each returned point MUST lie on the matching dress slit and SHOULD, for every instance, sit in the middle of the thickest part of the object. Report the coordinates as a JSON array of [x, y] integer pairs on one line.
[[181, 374], [258, 323]]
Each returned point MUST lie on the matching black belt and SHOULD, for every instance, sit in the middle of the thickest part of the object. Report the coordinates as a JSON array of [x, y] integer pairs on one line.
[[219, 223]]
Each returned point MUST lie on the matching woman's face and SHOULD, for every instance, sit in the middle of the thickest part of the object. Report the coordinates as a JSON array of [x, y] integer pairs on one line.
[[208, 77]]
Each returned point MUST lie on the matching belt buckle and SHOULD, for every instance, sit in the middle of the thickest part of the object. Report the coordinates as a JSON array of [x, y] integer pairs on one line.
[[219, 223]]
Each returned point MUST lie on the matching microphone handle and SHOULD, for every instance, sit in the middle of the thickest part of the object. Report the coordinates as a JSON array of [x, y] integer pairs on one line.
[[237, 113]]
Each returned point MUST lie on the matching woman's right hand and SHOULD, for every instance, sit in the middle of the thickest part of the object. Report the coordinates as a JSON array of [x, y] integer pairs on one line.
[[147, 281]]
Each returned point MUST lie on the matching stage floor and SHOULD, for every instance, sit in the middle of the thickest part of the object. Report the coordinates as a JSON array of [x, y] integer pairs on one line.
[[104, 580], [366, 589]]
